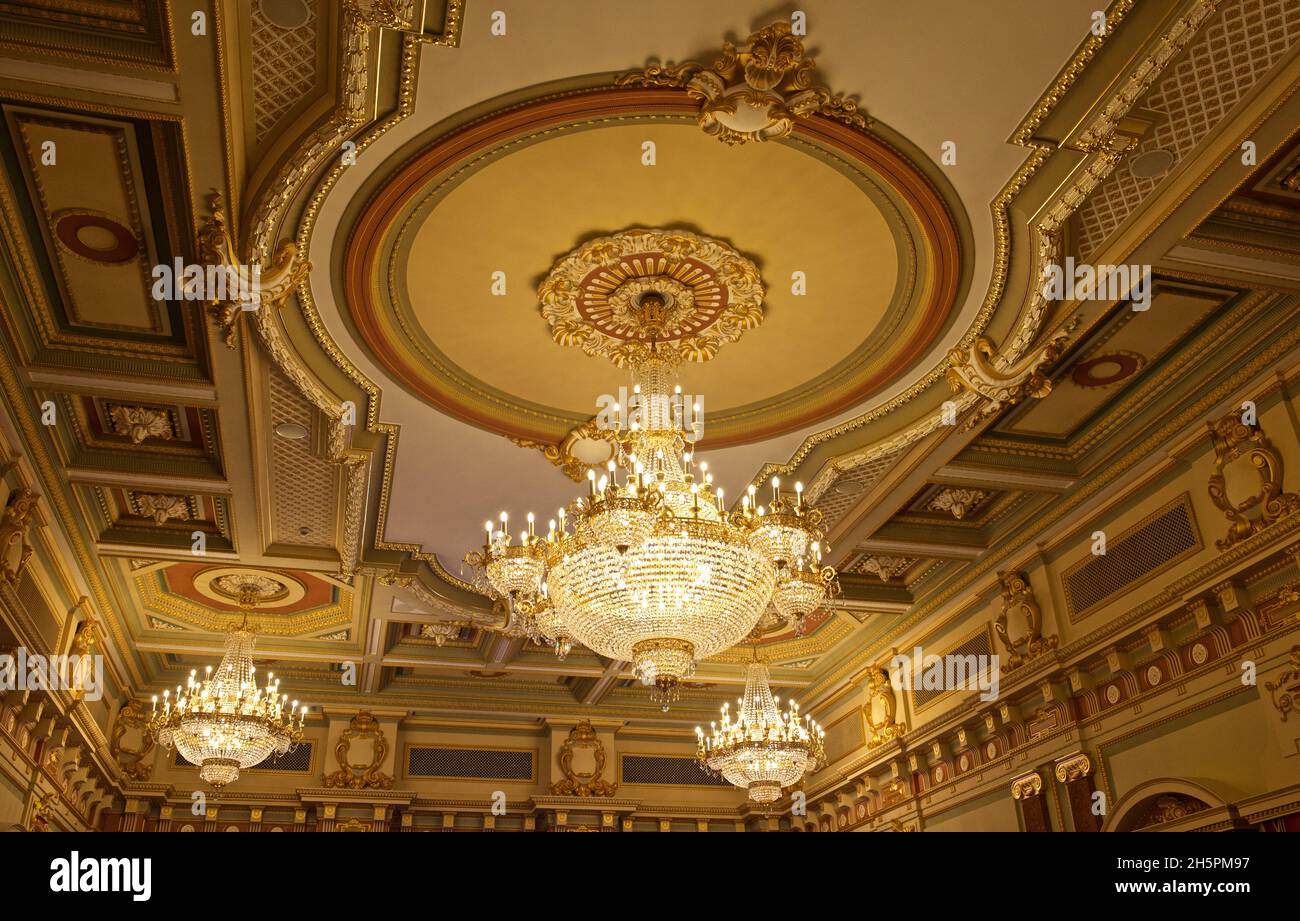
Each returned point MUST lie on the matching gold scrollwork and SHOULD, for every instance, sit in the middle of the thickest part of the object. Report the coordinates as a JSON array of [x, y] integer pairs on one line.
[[582, 783], [1027, 785], [977, 370], [362, 727], [1285, 692], [1233, 438], [1075, 767], [132, 717], [13, 533], [274, 283], [1018, 597], [880, 691], [753, 92]]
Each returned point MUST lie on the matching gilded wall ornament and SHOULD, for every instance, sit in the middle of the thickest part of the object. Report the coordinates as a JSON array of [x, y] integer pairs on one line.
[[141, 422], [132, 721], [1285, 691], [881, 692], [979, 370], [617, 296], [584, 779], [1018, 598], [1234, 439], [753, 92], [15, 551], [274, 282], [363, 728]]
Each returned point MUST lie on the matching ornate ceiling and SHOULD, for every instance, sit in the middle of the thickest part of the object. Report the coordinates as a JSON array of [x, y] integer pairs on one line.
[[407, 180]]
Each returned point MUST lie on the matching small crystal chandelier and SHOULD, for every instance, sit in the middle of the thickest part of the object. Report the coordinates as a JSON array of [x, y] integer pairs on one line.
[[762, 750], [652, 568], [225, 722]]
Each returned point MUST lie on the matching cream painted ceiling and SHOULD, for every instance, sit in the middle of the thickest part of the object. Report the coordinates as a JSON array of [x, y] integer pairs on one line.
[[807, 216], [969, 82]]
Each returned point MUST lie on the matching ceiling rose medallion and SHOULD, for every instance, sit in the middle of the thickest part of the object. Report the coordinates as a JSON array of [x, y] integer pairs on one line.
[[705, 294]]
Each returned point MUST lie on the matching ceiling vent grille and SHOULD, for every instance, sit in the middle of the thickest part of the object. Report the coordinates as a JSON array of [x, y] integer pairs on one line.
[[470, 763], [1167, 537], [666, 770], [980, 646]]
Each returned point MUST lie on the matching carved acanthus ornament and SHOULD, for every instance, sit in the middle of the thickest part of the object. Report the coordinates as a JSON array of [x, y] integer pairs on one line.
[[15, 551], [957, 501], [885, 567], [753, 92], [1234, 439], [361, 728], [162, 507], [1018, 598], [881, 692], [979, 371], [441, 631], [576, 782], [141, 422], [270, 284], [1285, 691]]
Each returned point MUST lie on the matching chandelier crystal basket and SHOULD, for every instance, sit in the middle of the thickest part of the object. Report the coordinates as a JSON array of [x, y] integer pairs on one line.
[[762, 750], [651, 567], [225, 722]]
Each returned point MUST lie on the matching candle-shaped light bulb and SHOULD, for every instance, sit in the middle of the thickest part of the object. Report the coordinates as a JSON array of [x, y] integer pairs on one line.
[[591, 481], [798, 495]]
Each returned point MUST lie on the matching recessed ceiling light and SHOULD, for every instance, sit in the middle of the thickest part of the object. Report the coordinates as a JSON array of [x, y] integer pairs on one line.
[[1151, 164], [292, 430], [287, 14]]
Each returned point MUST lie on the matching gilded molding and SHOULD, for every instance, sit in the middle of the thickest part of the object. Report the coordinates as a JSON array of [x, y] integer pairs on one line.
[[1073, 767], [977, 370], [1018, 598], [1285, 691], [1027, 786]]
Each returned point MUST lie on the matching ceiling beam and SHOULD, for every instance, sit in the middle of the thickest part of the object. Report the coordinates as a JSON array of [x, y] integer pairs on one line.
[[1003, 478]]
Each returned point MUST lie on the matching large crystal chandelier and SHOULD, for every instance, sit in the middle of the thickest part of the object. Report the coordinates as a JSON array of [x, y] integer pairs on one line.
[[225, 722], [651, 567], [762, 749]]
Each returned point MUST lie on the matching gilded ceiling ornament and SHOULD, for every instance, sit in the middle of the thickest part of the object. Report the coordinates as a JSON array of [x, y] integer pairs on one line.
[[979, 371], [141, 422], [366, 729], [441, 631], [957, 501], [753, 92], [1233, 439], [132, 719], [885, 567], [1170, 807], [83, 646], [562, 456], [272, 284], [1285, 691], [880, 691], [617, 296], [15, 551], [1018, 597], [249, 588], [161, 506], [584, 742]]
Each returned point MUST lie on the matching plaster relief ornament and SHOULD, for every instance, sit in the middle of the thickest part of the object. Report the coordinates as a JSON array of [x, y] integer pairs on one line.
[[753, 92], [983, 372], [161, 507], [15, 551], [141, 422], [957, 501]]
